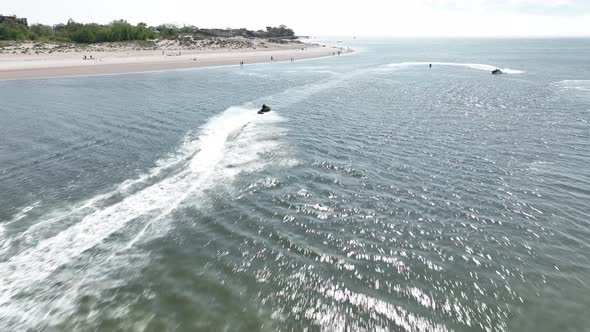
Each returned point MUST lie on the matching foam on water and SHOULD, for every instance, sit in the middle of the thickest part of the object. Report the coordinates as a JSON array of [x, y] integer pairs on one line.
[[227, 145], [24, 211], [477, 66], [580, 85]]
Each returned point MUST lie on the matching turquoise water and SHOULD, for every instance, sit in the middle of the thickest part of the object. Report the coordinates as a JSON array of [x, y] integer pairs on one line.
[[379, 194]]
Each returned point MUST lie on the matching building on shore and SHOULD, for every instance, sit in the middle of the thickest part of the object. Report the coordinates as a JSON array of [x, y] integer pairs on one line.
[[59, 27], [17, 20]]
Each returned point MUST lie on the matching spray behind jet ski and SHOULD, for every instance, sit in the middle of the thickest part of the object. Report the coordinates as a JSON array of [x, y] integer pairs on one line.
[[264, 109]]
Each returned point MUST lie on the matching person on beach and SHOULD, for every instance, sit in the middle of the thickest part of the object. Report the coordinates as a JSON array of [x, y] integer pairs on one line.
[[271, 59], [430, 65]]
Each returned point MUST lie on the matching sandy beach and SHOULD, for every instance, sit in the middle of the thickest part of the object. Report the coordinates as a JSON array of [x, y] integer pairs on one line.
[[29, 60]]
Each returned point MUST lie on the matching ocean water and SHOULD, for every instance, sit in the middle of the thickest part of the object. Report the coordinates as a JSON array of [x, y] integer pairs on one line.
[[378, 195]]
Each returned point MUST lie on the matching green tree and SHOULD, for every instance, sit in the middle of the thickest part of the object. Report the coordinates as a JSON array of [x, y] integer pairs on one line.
[[10, 30], [168, 31], [86, 34], [282, 31], [41, 31]]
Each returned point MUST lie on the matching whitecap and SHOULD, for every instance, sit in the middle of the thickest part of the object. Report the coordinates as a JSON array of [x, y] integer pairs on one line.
[[579, 85]]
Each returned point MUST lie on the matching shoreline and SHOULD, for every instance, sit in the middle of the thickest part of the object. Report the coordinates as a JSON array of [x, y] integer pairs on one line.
[[71, 64]]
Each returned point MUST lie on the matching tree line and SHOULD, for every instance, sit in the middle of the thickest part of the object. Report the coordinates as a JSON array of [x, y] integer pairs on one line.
[[120, 30], [76, 32]]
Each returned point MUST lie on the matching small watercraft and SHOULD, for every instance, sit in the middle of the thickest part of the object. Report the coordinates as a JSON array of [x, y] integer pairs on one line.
[[497, 71], [264, 109]]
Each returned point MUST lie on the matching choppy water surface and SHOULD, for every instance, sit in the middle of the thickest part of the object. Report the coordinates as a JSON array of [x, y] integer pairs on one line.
[[379, 194]]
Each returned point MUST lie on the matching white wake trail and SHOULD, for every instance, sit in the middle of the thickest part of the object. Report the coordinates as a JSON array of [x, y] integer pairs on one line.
[[477, 66], [236, 138]]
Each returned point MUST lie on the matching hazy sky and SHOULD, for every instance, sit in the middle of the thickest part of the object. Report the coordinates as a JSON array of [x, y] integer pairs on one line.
[[332, 17]]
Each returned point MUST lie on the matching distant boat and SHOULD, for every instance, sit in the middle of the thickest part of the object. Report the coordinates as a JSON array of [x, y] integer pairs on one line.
[[497, 71]]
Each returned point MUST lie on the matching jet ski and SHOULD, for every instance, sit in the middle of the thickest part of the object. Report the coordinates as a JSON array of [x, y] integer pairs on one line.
[[264, 109], [497, 71]]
